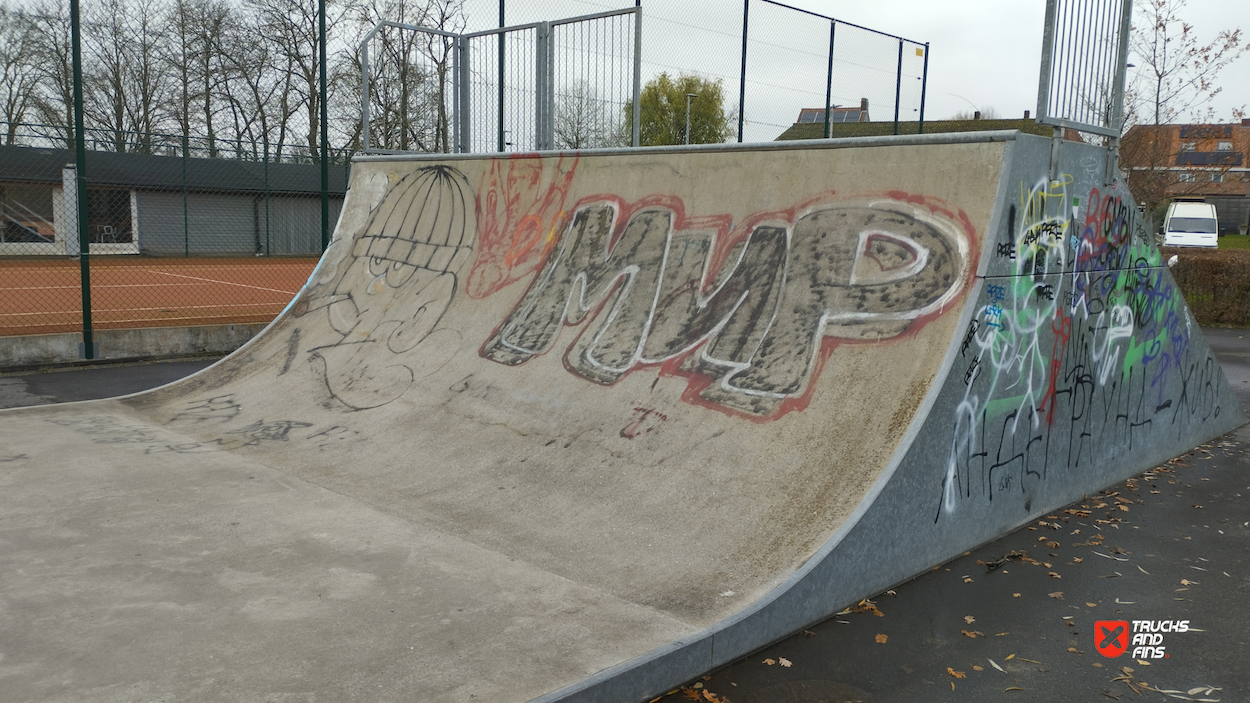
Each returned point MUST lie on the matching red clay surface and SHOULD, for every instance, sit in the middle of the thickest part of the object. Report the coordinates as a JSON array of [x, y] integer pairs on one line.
[[44, 296]]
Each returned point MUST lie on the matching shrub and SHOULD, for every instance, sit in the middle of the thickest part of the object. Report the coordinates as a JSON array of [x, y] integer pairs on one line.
[[1215, 282]]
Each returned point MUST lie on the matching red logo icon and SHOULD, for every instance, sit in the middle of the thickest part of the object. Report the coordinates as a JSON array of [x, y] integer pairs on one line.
[[1111, 637]]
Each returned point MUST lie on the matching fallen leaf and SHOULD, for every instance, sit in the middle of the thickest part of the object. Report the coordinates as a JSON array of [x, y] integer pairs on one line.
[[1143, 571], [956, 674], [1078, 559], [967, 580], [1123, 507], [969, 619], [881, 639], [1072, 649], [1015, 595], [973, 634], [1052, 545], [975, 667], [1091, 605], [1053, 575], [1012, 688], [770, 661], [1187, 582], [996, 666], [1009, 657], [1056, 594], [785, 662]]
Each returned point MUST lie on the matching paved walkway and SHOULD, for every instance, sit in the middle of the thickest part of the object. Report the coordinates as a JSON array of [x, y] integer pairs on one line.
[[1012, 620]]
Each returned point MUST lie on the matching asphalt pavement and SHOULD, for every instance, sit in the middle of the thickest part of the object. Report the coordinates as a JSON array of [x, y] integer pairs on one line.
[[1016, 619]]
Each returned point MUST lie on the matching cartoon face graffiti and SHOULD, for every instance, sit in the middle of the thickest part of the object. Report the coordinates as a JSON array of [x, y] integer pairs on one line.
[[394, 288]]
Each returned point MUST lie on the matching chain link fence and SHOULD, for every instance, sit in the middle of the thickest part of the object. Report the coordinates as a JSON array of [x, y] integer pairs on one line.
[[177, 237], [202, 125]]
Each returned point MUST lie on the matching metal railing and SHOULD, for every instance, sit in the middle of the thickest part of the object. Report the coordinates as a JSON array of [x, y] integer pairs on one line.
[[1084, 59], [576, 50]]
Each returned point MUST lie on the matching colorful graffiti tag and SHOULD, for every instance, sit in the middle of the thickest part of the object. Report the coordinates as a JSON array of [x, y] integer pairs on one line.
[[1070, 354]]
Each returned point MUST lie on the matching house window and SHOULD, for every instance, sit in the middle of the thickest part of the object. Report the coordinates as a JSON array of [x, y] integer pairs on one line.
[[1217, 178], [1189, 146], [1224, 146], [1185, 178]]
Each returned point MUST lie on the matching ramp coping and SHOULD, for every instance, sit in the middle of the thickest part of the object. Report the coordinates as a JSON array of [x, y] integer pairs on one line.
[[1000, 135]]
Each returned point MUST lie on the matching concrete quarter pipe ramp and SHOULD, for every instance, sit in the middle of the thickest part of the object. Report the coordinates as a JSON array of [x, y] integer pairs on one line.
[[584, 426]]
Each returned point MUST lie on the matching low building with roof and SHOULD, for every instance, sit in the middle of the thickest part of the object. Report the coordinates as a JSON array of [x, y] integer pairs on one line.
[[162, 205]]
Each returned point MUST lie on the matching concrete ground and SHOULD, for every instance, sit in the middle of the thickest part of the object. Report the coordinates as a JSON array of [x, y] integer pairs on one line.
[[1014, 618]]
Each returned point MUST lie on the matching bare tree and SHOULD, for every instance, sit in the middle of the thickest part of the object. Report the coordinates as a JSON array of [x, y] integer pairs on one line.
[[1175, 73], [52, 53], [17, 69], [583, 120], [1175, 77], [123, 79]]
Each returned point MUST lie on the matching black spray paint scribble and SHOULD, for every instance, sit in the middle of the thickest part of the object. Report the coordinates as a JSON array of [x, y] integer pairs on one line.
[[393, 289], [222, 408], [855, 271]]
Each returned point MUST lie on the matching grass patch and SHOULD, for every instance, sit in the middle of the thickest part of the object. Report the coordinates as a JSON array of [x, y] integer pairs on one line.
[[1234, 241]]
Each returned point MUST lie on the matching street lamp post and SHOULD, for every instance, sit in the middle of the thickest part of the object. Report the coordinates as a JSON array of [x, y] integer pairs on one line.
[[688, 96]]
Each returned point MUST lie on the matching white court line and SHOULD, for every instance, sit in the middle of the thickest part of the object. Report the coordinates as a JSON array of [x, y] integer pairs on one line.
[[106, 310], [228, 283], [99, 285]]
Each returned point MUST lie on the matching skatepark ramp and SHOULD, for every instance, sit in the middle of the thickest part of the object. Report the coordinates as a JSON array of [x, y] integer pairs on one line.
[[583, 426]]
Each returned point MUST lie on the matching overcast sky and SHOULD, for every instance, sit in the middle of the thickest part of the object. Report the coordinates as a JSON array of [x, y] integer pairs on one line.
[[983, 53]]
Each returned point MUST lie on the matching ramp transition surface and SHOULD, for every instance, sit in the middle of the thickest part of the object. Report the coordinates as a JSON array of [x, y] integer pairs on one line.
[[583, 426]]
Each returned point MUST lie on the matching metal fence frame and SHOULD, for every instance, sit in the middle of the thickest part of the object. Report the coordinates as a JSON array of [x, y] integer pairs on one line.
[[544, 100], [1079, 48], [833, 24]]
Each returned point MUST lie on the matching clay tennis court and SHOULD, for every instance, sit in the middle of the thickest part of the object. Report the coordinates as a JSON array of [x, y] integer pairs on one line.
[[44, 296]]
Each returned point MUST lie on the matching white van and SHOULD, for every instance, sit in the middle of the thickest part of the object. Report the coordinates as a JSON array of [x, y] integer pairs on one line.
[[1190, 224]]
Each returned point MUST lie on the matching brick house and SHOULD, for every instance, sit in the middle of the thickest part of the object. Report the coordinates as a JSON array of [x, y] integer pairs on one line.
[[1192, 161]]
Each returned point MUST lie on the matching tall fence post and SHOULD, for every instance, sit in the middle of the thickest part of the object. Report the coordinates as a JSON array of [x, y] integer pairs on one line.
[[898, 84], [364, 93], [829, 82], [87, 351], [463, 109], [502, 43], [742, 77], [325, 129], [186, 230], [924, 86], [636, 132], [268, 251], [544, 90]]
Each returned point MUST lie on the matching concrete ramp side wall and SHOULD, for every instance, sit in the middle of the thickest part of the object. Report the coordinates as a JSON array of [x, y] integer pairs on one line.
[[1075, 365], [1080, 365]]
